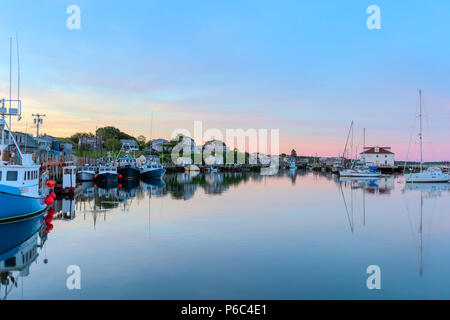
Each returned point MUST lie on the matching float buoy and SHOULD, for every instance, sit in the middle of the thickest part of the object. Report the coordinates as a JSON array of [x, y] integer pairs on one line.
[[49, 201], [50, 183]]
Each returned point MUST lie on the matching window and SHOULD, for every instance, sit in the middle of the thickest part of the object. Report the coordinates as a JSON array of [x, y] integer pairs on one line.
[[11, 262], [1, 172], [11, 176], [29, 175]]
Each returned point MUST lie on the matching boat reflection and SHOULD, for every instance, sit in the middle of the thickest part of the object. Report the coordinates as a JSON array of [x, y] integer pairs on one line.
[[420, 195], [382, 185], [19, 244]]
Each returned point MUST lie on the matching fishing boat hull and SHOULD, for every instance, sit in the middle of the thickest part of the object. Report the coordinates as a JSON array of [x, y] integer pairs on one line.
[[153, 174], [129, 173], [85, 176], [19, 207], [107, 177]]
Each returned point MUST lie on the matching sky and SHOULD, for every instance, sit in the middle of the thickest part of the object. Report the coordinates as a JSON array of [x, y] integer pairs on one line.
[[307, 68]]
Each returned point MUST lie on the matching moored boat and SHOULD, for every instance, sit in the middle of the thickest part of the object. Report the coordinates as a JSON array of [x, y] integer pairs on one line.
[[432, 174], [151, 171], [86, 173], [107, 174], [21, 193]]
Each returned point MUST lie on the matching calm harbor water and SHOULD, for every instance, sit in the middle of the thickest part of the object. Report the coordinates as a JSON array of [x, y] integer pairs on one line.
[[296, 235]]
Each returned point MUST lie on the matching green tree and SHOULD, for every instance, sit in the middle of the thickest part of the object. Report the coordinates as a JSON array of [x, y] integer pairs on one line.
[[76, 137], [113, 144], [141, 142], [293, 153]]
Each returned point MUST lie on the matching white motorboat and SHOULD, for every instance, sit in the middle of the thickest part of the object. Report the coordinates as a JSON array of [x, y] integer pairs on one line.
[[359, 173], [86, 173]]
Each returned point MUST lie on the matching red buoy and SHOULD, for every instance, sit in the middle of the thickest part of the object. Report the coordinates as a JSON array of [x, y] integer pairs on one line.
[[120, 176], [51, 212], [120, 185], [50, 183], [49, 201], [52, 195], [48, 218], [49, 227]]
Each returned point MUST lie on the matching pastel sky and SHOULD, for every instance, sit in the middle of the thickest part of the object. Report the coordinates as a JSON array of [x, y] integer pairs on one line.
[[305, 67]]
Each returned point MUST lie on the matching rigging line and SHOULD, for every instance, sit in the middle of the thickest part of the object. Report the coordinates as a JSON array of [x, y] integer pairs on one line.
[[410, 140], [346, 208], [411, 225]]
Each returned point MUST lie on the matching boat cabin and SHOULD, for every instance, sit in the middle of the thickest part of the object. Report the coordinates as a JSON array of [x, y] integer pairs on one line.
[[127, 161], [20, 179], [69, 177]]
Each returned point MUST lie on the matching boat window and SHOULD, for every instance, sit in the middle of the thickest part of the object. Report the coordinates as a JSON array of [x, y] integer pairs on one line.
[[67, 171], [1, 172], [28, 175], [11, 175], [10, 263]]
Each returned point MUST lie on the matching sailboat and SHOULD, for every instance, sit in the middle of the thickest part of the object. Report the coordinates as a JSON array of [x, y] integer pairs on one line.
[[432, 174], [20, 191], [356, 171]]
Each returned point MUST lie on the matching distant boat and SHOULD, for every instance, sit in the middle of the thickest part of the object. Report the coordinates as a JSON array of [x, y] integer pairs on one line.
[[433, 174], [86, 173], [107, 174], [151, 171], [191, 168], [127, 167], [359, 172]]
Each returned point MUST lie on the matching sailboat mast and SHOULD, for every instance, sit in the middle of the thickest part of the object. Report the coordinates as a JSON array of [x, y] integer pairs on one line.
[[420, 130], [10, 79]]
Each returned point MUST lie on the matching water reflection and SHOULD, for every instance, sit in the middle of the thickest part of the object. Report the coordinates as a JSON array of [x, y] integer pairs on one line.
[[290, 217], [19, 244]]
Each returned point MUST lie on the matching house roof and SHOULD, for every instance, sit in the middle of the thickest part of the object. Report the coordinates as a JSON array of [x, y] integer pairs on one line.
[[381, 150]]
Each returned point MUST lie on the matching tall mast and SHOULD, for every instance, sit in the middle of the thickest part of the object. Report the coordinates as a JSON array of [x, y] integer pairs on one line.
[[10, 77], [420, 130]]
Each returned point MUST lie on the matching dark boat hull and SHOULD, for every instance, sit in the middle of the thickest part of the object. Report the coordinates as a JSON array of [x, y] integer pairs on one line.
[[129, 173], [153, 174], [107, 177]]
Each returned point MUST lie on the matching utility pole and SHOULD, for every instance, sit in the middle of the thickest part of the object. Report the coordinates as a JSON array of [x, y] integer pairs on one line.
[[38, 120]]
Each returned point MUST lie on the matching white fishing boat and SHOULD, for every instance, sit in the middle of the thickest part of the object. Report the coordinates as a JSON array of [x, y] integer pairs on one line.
[[20, 186], [86, 173], [432, 174]]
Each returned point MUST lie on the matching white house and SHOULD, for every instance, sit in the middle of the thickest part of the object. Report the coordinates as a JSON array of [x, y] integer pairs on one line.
[[378, 156], [158, 144]]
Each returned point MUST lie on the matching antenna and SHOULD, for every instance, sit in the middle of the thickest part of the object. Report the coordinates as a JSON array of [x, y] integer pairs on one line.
[[10, 76], [420, 128], [38, 121], [18, 69]]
